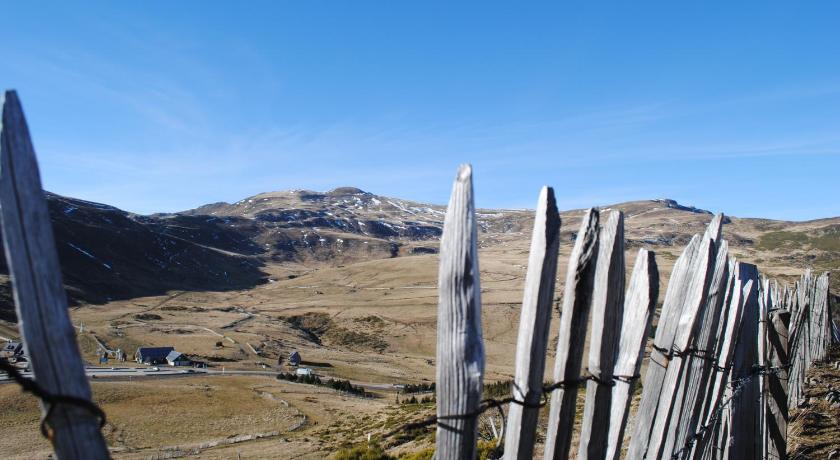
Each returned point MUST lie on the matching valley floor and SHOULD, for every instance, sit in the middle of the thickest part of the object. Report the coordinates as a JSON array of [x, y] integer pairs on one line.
[[216, 417]]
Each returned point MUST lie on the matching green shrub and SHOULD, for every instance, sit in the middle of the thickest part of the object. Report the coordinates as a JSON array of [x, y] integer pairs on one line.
[[362, 452], [312, 379], [418, 388], [486, 451], [501, 389], [425, 454]]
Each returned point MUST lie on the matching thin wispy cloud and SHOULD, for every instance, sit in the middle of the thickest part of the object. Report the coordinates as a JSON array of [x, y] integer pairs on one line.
[[159, 112]]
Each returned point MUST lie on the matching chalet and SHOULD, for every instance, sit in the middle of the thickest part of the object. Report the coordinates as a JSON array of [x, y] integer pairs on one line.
[[294, 359], [11, 350], [152, 355], [175, 358]]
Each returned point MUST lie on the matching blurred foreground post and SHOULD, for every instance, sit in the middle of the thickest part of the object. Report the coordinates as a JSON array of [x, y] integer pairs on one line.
[[41, 303]]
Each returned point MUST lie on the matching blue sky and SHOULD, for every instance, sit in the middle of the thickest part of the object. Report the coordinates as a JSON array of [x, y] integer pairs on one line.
[[158, 106]]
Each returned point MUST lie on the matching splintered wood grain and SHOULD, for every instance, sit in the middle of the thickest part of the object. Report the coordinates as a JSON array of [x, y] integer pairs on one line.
[[639, 306], [460, 351], [580, 278], [607, 313], [745, 440], [671, 393], [660, 355], [698, 364], [534, 322]]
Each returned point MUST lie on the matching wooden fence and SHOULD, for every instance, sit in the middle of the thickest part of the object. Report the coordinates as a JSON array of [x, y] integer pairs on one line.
[[728, 357], [70, 421]]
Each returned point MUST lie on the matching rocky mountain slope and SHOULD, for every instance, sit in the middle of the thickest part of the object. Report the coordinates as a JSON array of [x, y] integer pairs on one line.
[[302, 223], [108, 254]]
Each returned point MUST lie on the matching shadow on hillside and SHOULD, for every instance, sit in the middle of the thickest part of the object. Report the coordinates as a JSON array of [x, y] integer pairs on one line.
[[90, 281], [107, 254]]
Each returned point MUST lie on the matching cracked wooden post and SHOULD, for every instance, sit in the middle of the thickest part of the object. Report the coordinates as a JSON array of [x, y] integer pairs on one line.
[[777, 385], [700, 368], [533, 329], [711, 423], [746, 440], [670, 397], [661, 353], [764, 306], [580, 277], [822, 333], [639, 306], [607, 313], [460, 351], [40, 300]]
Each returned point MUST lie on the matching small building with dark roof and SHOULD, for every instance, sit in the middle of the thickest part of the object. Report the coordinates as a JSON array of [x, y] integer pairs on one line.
[[12, 349], [176, 358], [294, 359], [152, 355]]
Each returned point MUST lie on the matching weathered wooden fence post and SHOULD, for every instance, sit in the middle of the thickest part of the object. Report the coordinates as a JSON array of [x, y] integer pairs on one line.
[[661, 354], [733, 393], [577, 297], [534, 322], [800, 333], [823, 330], [41, 303], [684, 305], [794, 345], [700, 360], [764, 305], [607, 312], [460, 351], [745, 439], [777, 385], [712, 419], [670, 396], [806, 297], [809, 335], [639, 306]]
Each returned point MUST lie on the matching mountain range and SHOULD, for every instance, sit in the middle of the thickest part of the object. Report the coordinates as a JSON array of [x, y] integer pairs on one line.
[[108, 254]]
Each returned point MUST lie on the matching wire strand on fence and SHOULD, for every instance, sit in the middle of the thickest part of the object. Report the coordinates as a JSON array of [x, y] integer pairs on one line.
[[490, 403], [737, 387], [49, 399], [674, 352], [493, 403]]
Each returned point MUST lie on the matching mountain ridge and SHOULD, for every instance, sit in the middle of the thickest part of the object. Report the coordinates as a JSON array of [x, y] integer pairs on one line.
[[107, 253]]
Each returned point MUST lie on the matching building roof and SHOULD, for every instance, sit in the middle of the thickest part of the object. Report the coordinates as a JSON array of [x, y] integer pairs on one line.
[[154, 352], [174, 355]]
